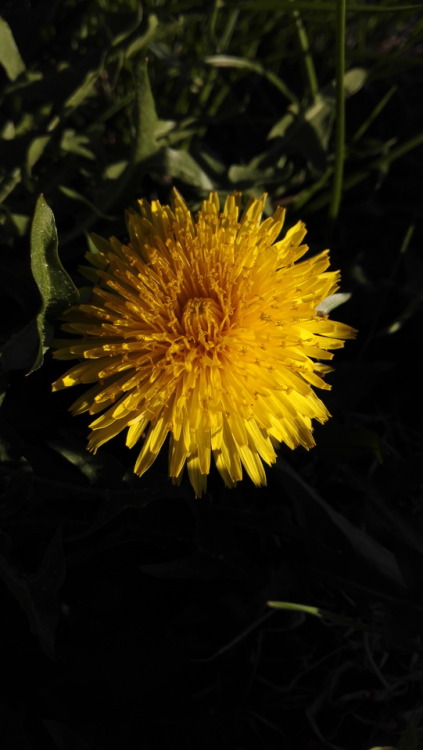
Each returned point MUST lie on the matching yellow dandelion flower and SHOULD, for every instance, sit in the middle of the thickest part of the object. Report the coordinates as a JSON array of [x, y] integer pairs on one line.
[[205, 329]]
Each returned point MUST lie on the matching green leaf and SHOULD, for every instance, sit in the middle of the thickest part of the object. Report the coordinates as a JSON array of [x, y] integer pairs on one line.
[[369, 549], [9, 53], [231, 61], [75, 196], [115, 170], [140, 42], [124, 24], [84, 461], [296, 124], [147, 122], [83, 91], [99, 470], [9, 183], [377, 109], [76, 143], [354, 80], [182, 166], [323, 614], [35, 151], [22, 348], [55, 286], [265, 169]]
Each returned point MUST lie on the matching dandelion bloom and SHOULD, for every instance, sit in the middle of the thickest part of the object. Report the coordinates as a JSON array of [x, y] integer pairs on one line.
[[205, 329]]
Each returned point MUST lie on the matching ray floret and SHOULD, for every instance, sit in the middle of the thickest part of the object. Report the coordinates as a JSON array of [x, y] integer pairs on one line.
[[204, 330]]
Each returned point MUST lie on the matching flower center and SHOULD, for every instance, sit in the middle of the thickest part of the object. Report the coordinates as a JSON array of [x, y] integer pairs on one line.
[[201, 320]]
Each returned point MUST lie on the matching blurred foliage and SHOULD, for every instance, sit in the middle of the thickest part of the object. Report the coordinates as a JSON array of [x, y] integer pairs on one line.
[[111, 581]]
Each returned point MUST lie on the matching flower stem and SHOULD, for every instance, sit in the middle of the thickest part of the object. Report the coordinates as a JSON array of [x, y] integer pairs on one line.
[[306, 54], [340, 113]]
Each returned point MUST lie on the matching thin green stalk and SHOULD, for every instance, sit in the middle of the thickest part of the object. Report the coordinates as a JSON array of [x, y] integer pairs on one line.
[[306, 54], [338, 174], [213, 21], [221, 45], [305, 195], [324, 614], [375, 113], [399, 151]]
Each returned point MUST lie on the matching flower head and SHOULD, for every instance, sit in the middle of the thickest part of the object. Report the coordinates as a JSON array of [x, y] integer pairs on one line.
[[205, 329]]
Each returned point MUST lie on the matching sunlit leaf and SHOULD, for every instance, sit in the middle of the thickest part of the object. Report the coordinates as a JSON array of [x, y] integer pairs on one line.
[[115, 170], [56, 289], [35, 151], [9, 54], [140, 42], [76, 143], [84, 90], [319, 117], [324, 614], [182, 166], [147, 122]]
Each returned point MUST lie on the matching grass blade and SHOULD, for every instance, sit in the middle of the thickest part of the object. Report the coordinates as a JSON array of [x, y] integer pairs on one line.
[[340, 113]]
